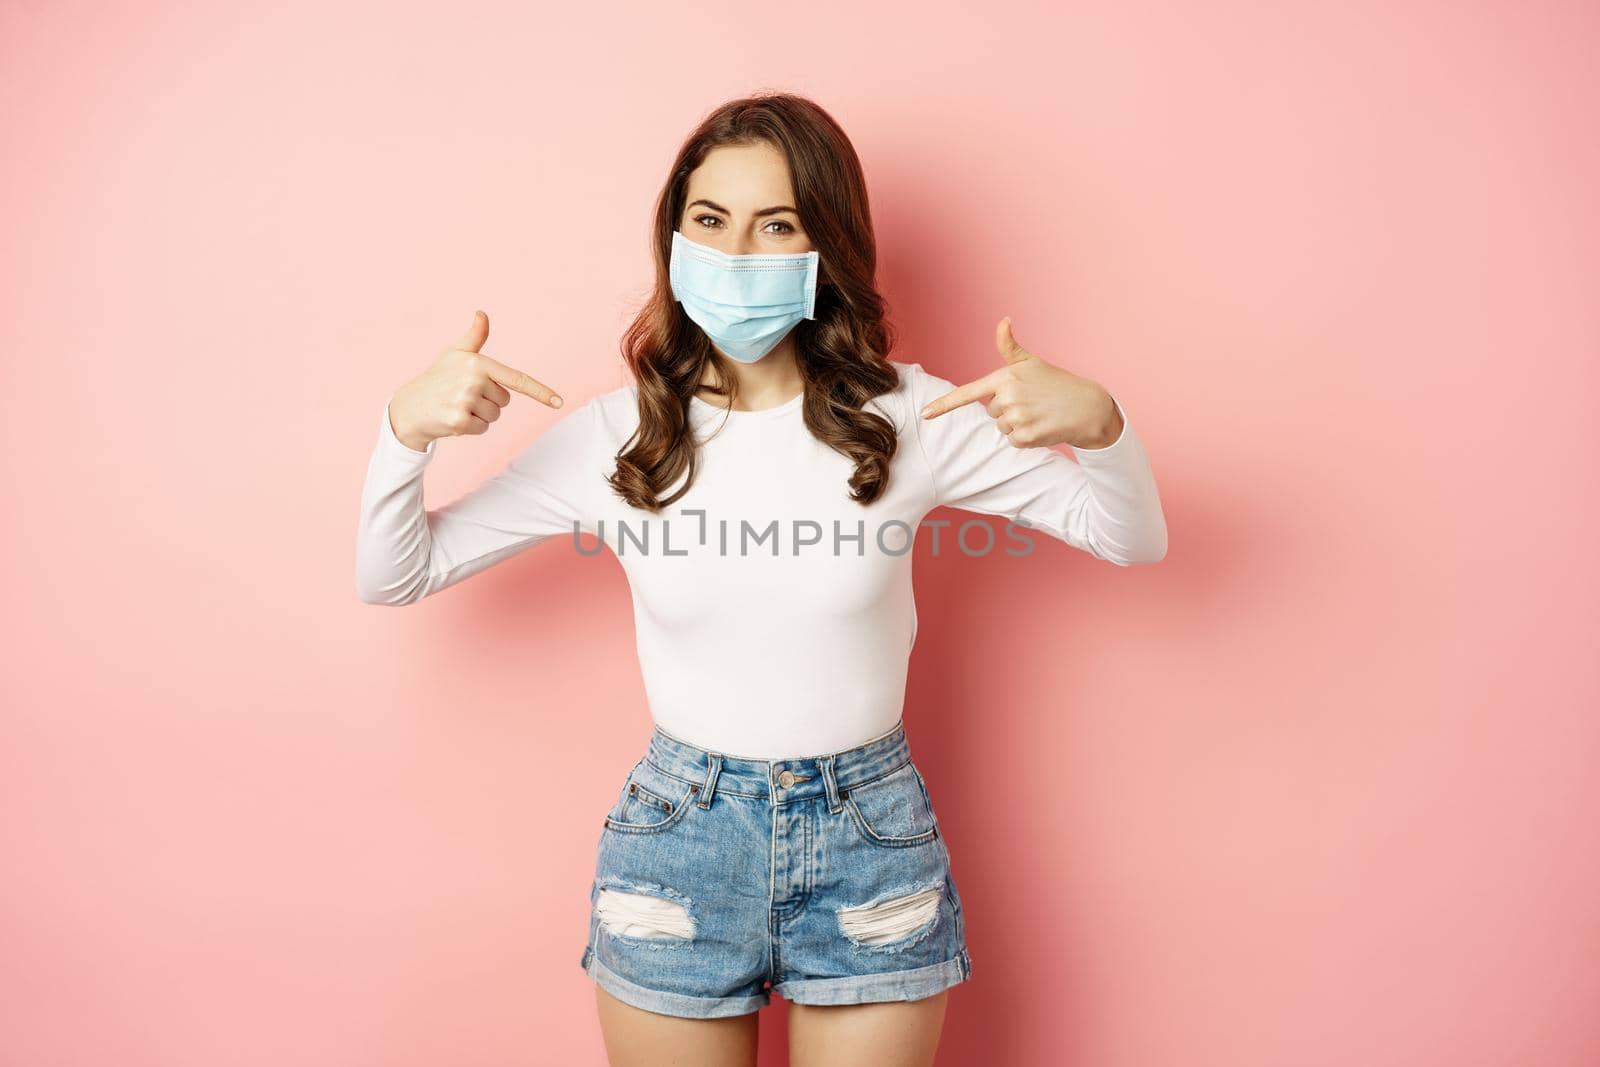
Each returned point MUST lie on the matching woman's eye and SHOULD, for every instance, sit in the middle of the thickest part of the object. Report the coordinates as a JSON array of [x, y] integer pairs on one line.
[[711, 222]]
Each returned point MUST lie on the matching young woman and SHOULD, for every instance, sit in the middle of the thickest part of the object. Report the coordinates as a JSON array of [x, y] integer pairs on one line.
[[761, 483]]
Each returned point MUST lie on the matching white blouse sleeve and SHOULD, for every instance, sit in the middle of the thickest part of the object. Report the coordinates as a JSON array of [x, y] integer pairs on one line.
[[405, 553], [1105, 504]]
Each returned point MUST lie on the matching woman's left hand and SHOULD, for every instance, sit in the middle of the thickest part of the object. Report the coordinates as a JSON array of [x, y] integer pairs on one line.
[[1037, 403]]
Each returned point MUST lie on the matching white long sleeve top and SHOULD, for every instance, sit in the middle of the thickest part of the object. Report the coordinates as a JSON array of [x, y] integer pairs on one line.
[[774, 615]]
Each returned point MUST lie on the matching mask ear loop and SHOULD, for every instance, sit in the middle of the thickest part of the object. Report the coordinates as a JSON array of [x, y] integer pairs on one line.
[[813, 268]]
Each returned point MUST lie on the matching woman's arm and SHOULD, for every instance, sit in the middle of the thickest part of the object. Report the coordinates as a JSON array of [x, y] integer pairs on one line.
[[1105, 504], [405, 553]]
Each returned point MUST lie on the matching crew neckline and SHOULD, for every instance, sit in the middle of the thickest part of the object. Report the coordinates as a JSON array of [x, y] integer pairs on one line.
[[759, 413]]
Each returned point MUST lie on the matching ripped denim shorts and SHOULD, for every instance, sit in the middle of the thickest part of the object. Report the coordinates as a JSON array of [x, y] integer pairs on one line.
[[720, 880]]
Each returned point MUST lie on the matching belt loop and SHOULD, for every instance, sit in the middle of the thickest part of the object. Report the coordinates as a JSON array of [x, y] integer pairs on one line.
[[830, 784], [713, 768]]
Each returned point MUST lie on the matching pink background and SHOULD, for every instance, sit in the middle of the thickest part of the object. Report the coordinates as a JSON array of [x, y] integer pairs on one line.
[[1318, 789]]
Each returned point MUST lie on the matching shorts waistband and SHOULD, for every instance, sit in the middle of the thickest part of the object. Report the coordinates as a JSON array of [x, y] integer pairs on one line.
[[786, 779]]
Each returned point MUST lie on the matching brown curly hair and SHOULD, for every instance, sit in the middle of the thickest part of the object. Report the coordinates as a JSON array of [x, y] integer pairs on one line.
[[842, 353]]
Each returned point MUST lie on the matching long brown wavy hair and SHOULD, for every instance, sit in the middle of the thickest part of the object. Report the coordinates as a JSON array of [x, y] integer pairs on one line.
[[842, 353]]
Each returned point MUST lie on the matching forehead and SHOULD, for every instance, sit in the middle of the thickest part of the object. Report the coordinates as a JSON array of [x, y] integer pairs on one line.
[[742, 178]]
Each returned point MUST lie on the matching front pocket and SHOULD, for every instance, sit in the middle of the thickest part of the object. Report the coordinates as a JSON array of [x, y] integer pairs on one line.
[[892, 811], [644, 796], [651, 801]]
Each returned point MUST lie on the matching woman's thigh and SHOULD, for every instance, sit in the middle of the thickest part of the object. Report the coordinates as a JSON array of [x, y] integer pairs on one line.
[[638, 1038], [888, 1034]]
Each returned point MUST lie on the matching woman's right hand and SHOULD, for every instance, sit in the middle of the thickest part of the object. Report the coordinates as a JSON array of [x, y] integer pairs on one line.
[[462, 392]]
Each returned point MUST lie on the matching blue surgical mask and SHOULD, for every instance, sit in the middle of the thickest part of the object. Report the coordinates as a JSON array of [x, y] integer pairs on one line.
[[745, 304]]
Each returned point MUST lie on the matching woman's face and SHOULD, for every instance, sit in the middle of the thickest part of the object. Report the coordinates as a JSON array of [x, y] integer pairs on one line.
[[739, 201]]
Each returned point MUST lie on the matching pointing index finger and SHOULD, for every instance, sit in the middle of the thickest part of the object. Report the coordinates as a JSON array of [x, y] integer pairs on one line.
[[518, 382], [963, 394]]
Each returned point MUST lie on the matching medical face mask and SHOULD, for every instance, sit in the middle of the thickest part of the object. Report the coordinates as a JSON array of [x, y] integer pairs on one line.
[[745, 304]]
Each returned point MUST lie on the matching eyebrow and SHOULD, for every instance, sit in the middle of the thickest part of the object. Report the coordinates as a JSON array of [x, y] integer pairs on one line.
[[759, 214]]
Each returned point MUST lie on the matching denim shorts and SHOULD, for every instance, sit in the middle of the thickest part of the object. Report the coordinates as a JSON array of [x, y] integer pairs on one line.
[[720, 880]]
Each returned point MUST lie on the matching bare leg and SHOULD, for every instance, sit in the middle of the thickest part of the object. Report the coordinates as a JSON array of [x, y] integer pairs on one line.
[[638, 1038], [896, 1033]]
